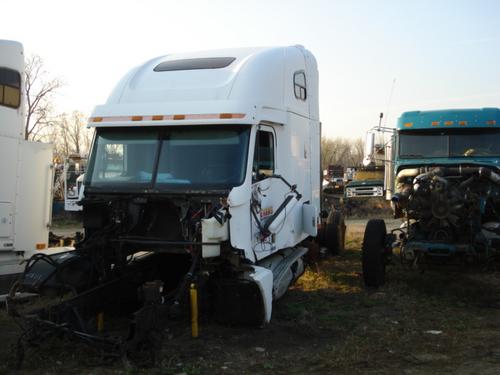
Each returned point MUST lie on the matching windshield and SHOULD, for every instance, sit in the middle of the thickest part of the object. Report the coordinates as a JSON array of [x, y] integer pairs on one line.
[[456, 143], [176, 158]]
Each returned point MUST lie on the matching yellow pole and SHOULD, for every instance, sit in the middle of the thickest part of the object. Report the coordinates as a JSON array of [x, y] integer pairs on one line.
[[100, 322], [193, 292]]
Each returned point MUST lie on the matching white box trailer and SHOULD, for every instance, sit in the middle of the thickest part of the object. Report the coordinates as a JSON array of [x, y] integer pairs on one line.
[[25, 170], [206, 164]]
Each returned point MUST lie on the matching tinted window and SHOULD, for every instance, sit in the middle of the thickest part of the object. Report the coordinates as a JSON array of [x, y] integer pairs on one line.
[[10, 77], [485, 143], [263, 164], [10, 88], [194, 64], [299, 85], [177, 158], [423, 145], [454, 143], [197, 158], [123, 158]]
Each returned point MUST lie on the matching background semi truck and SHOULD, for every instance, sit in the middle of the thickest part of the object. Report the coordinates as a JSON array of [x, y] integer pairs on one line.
[[444, 182], [73, 176], [205, 171], [333, 179], [367, 180], [26, 170]]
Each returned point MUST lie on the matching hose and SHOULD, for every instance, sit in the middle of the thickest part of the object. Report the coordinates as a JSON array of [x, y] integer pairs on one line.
[[488, 173]]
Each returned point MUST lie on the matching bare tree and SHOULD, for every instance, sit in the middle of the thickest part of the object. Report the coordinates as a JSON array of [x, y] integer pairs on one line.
[[39, 89], [357, 151], [341, 151], [70, 135]]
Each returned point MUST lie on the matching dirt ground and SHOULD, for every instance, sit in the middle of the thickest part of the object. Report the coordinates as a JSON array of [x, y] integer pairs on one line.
[[439, 322]]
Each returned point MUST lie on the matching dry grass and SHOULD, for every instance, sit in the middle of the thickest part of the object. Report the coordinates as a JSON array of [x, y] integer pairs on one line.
[[389, 330], [363, 208]]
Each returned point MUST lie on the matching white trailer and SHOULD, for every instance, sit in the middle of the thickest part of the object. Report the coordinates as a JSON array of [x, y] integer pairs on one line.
[[25, 170], [208, 165]]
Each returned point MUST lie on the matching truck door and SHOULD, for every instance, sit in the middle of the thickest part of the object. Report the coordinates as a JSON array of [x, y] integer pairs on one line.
[[268, 193]]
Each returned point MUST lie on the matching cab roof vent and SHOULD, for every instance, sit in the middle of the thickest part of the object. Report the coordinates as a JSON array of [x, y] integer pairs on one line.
[[194, 64]]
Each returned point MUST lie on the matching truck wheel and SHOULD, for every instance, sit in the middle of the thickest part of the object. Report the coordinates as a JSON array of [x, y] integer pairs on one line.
[[320, 237], [335, 233], [373, 253]]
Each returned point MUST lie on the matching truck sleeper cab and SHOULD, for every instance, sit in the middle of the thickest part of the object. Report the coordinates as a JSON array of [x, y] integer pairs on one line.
[[205, 170]]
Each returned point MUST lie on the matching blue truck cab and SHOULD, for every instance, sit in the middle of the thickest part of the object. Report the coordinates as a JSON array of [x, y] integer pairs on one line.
[[448, 137], [444, 182]]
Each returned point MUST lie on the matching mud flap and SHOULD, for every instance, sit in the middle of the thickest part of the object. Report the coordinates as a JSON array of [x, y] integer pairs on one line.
[[247, 300]]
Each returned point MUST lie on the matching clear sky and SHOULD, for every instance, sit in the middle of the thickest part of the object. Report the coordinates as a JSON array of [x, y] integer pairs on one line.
[[440, 53]]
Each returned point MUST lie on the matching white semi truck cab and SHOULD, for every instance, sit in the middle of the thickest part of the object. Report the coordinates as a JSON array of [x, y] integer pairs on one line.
[[205, 170]]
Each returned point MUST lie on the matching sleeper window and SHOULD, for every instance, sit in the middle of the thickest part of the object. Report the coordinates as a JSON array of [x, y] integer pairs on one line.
[[299, 85]]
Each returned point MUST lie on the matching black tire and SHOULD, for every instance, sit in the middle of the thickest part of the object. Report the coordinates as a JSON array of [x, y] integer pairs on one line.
[[320, 237], [335, 233], [341, 228], [373, 258]]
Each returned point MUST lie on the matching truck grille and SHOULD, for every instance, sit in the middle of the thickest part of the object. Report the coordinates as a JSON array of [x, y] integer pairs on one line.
[[365, 191]]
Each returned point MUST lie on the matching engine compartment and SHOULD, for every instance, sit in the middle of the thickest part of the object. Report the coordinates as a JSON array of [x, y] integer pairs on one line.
[[456, 204], [156, 223], [131, 241]]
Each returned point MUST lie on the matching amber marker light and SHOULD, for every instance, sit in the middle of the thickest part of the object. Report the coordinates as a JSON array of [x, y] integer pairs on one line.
[[203, 116], [231, 115]]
